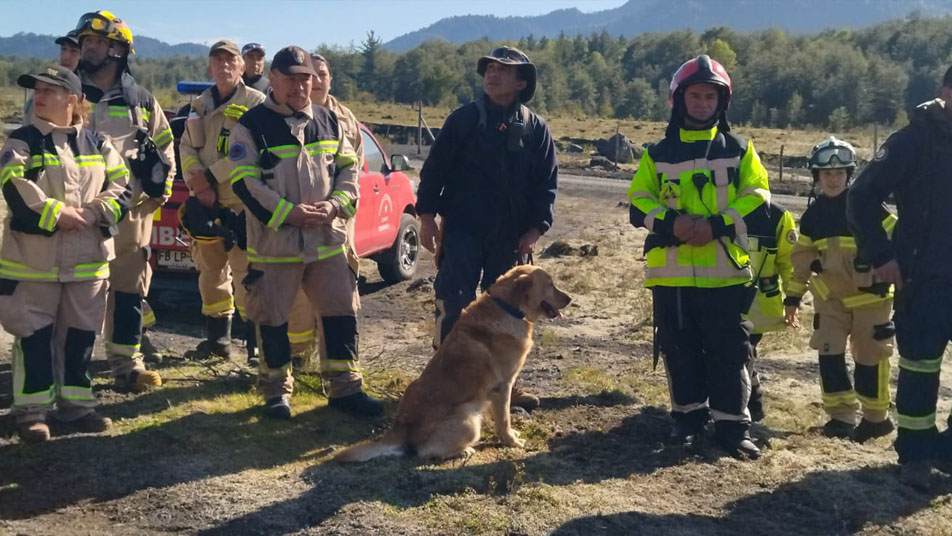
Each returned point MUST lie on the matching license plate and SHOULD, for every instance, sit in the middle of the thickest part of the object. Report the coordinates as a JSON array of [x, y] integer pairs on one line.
[[174, 259]]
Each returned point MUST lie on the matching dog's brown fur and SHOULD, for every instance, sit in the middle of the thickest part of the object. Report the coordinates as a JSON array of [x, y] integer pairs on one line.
[[474, 369]]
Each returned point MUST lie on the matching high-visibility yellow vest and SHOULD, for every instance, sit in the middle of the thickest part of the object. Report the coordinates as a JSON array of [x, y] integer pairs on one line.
[[713, 174]]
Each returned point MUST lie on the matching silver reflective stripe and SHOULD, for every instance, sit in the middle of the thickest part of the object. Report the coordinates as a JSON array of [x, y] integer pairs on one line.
[[650, 217], [675, 169], [740, 227]]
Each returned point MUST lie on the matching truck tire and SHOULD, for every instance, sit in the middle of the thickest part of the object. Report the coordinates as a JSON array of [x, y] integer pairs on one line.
[[399, 262]]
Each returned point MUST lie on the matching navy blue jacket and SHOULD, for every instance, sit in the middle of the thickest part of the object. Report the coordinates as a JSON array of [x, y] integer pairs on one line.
[[477, 185], [915, 165]]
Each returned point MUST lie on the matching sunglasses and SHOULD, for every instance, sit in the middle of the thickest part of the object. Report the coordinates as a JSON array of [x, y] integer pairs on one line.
[[825, 156], [506, 53]]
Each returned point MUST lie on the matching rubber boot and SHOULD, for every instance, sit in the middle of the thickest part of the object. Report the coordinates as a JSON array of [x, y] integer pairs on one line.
[[359, 404], [217, 341], [867, 430], [33, 432]]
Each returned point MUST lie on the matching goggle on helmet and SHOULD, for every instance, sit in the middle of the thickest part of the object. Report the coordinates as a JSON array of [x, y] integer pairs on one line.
[[832, 153], [104, 24]]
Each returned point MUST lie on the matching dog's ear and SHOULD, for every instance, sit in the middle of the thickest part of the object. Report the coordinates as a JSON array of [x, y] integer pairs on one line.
[[513, 290]]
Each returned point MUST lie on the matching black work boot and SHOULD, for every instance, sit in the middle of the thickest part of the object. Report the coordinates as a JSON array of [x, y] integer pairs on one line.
[[689, 429], [837, 428], [734, 437], [217, 341], [871, 430], [756, 404], [150, 354], [278, 408], [359, 404], [251, 344]]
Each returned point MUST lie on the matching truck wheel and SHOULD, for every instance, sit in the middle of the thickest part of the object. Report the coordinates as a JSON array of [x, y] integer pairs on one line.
[[400, 261]]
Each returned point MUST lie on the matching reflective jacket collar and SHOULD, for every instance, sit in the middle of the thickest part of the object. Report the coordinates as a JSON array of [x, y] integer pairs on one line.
[[45, 127], [697, 135], [285, 110]]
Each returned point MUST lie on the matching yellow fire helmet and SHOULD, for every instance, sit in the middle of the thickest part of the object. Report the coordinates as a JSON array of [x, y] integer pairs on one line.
[[104, 24]]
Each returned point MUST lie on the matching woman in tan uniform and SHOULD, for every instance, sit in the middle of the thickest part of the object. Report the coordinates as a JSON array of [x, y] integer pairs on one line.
[[66, 190]]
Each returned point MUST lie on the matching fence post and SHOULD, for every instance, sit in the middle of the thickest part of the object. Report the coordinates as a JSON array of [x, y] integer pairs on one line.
[[419, 128], [781, 163]]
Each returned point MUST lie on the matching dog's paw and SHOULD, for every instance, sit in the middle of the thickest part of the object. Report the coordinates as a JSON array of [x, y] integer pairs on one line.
[[513, 440]]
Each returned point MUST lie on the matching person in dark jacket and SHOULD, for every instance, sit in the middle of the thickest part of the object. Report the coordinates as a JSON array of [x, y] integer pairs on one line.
[[915, 166], [491, 176]]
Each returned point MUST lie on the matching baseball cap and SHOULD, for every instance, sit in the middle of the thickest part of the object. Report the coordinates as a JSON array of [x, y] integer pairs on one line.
[[226, 45], [292, 60], [251, 46], [56, 75], [70, 38]]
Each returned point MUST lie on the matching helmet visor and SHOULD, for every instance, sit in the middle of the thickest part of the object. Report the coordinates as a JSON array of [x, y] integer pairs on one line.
[[834, 157], [96, 23]]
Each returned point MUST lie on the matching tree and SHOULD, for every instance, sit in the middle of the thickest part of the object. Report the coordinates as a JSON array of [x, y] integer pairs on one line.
[[721, 51], [369, 49], [839, 119]]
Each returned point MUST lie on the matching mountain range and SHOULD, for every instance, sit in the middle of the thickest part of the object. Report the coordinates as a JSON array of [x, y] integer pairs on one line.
[[42, 46], [638, 16]]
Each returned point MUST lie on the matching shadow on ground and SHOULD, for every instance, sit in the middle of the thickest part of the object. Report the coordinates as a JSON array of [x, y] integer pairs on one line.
[[822, 502]]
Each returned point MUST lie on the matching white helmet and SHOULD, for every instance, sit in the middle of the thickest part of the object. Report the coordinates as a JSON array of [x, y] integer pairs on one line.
[[832, 153]]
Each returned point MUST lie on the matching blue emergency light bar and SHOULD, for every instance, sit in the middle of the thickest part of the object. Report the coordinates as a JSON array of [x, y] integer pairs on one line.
[[191, 87]]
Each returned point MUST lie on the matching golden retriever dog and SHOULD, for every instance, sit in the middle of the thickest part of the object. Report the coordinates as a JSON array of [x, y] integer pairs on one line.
[[440, 414]]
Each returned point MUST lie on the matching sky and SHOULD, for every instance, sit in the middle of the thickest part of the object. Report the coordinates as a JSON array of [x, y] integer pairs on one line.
[[273, 23]]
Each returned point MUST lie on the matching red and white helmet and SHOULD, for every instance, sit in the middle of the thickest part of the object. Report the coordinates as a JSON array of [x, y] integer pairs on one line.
[[701, 69]]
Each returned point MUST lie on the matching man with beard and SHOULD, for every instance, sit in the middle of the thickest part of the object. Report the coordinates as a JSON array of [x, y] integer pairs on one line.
[[135, 123]]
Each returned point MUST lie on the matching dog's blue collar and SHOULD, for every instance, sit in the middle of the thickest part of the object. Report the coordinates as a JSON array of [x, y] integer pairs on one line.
[[513, 311]]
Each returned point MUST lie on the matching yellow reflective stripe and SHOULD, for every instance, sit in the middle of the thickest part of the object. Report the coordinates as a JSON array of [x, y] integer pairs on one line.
[[146, 114], [127, 350], [339, 365], [188, 161], [859, 300], [45, 159], [77, 393], [91, 269], [925, 422], [18, 270], [148, 318], [345, 202], [819, 288], [48, 217], [114, 172], [889, 222], [301, 336], [284, 151], [11, 171], [218, 307], [344, 160], [322, 146], [119, 111], [697, 135], [90, 160], [324, 252], [240, 172], [253, 256], [280, 214], [841, 398], [21, 398], [163, 137], [234, 110], [926, 366], [115, 208]]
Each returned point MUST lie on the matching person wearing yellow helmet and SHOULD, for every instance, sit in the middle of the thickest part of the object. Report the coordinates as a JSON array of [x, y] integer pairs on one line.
[[136, 124]]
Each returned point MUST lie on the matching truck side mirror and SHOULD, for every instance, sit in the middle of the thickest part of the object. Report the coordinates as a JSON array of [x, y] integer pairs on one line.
[[399, 162]]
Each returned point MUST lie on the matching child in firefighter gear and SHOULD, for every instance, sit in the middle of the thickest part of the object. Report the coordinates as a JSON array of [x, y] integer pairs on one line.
[[694, 191], [64, 186], [492, 176], [771, 233], [296, 174], [206, 169], [849, 302], [133, 120], [915, 166], [302, 326]]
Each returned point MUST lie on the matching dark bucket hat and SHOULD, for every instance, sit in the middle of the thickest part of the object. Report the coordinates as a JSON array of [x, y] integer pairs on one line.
[[512, 56]]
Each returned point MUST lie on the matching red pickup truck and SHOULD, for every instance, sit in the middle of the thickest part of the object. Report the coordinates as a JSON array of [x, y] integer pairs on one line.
[[386, 229]]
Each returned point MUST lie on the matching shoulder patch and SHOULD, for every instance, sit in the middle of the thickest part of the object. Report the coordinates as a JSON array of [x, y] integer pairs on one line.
[[792, 236], [6, 156], [236, 151], [881, 153]]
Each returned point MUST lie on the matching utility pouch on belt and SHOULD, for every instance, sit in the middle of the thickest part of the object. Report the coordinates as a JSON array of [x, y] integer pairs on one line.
[[769, 286], [881, 332]]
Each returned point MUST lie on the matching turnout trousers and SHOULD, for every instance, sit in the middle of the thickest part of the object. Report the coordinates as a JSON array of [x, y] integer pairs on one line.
[[55, 326], [331, 289], [923, 329], [706, 346], [870, 335]]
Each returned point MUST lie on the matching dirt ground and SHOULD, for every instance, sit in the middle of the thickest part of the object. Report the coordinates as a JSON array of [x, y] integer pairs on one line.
[[193, 456]]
